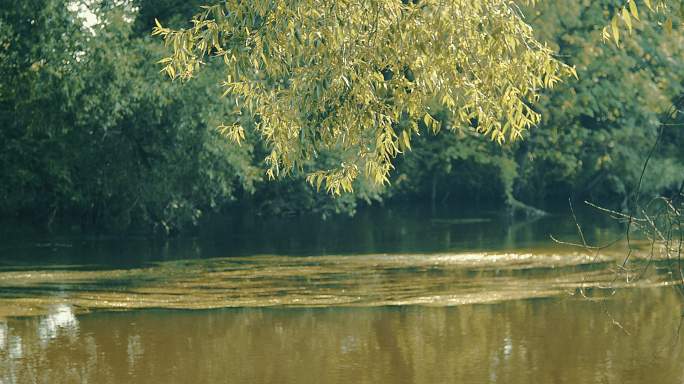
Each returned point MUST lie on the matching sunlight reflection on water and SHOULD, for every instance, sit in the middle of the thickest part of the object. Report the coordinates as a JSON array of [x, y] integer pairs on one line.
[[514, 341], [261, 281], [379, 304], [61, 318], [16, 349], [3, 335]]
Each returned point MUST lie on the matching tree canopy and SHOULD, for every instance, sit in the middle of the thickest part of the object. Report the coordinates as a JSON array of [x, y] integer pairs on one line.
[[358, 79], [90, 131], [595, 131]]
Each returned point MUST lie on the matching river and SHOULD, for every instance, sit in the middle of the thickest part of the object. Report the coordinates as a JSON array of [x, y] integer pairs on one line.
[[389, 296]]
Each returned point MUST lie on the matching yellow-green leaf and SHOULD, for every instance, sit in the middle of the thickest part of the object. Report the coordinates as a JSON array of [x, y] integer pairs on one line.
[[633, 9], [615, 30], [627, 18]]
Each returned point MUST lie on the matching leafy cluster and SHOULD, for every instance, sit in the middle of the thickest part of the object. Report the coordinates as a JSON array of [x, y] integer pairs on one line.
[[595, 131], [627, 15], [354, 79]]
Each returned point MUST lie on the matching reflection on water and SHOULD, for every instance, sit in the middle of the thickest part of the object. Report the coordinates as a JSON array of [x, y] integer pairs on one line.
[[60, 319], [566, 340], [376, 299], [373, 231], [262, 281], [3, 335], [134, 351], [16, 350]]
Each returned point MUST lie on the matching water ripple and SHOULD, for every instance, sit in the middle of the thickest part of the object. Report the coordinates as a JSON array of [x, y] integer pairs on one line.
[[261, 281]]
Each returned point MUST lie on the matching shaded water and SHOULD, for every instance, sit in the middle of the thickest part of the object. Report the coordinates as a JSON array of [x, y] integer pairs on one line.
[[404, 297]]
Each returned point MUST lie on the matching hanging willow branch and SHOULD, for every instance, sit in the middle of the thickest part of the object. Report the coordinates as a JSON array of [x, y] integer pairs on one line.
[[359, 78]]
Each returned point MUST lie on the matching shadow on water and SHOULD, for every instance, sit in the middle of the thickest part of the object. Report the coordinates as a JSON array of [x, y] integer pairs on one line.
[[384, 257], [372, 231]]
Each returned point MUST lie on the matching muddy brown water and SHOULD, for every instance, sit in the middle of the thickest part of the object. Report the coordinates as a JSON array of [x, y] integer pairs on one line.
[[386, 297]]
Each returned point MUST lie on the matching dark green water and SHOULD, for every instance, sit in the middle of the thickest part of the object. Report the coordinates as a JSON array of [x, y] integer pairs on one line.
[[408, 296]]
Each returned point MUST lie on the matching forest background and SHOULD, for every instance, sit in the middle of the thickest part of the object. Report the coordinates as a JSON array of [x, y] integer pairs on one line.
[[92, 132]]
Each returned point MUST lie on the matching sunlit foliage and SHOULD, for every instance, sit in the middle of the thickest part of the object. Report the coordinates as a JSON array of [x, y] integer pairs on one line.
[[626, 15], [357, 79], [595, 131], [89, 130]]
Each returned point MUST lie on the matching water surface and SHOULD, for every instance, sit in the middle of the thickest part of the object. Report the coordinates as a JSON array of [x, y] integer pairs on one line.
[[395, 297]]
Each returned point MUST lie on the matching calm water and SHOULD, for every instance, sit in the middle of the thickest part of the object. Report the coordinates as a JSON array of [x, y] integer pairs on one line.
[[408, 296]]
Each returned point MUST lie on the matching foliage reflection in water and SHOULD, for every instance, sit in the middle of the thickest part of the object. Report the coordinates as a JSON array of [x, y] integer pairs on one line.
[[259, 281], [432, 311], [569, 340]]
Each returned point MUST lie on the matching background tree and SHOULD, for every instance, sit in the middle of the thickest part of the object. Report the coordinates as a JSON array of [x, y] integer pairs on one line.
[[90, 131], [595, 131]]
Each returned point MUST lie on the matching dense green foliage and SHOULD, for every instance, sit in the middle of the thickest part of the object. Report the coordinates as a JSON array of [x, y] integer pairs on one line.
[[595, 132], [90, 129]]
